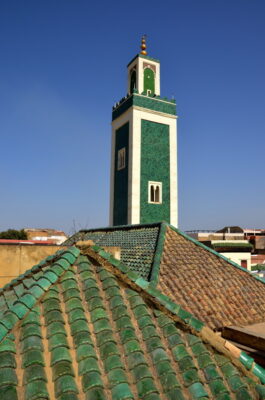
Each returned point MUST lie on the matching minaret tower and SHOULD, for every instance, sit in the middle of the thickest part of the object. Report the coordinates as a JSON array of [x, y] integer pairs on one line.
[[144, 149]]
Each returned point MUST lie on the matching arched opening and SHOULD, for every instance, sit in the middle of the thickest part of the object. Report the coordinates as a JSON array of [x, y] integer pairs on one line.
[[133, 81], [157, 194], [149, 81]]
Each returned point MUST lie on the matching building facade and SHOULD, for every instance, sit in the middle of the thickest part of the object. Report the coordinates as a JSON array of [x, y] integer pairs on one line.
[[144, 149]]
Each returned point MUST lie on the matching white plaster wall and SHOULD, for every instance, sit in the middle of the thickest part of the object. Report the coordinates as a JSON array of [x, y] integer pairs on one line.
[[237, 257]]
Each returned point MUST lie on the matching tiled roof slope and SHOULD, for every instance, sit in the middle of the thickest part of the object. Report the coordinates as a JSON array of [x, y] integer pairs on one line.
[[207, 285], [137, 243], [94, 335]]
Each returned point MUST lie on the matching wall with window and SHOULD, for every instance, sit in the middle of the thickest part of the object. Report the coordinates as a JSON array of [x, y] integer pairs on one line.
[[155, 173], [242, 259]]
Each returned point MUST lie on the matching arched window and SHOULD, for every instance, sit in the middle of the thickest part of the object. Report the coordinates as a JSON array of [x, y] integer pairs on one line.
[[155, 192], [133, 81], [149, 81]]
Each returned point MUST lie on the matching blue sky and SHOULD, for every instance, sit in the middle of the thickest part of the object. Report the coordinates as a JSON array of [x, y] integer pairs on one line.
[[63, 65]]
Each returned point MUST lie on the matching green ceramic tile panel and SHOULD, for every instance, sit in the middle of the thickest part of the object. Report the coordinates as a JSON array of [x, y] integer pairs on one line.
[[88, 365], [91, 380], [32, 357], [121, 392], [8, 393], [154, 141], [36, 390], [65, 384], [34, 373], [95, 394], [62, 368], [7, 360], [8, 376], [120, 204]]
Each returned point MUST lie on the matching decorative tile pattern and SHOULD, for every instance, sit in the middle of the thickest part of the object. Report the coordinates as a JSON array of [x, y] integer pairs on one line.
[[137, 243]]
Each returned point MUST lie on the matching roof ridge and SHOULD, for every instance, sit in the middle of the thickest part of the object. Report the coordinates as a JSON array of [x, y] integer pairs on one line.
[[154, 274], [215, 253], [122, 227], [36, 289], [176, 312]]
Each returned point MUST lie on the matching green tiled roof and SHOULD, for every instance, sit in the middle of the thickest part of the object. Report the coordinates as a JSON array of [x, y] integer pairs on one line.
[[138, 244], [99, 331]]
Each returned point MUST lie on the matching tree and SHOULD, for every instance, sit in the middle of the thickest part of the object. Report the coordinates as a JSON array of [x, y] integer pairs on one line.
[[14, 234]]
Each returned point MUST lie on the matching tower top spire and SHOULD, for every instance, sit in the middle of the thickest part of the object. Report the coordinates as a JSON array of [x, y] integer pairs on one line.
[[143, 45]]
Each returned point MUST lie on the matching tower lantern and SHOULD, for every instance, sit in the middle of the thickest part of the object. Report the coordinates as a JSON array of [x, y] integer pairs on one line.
[[144, 149]]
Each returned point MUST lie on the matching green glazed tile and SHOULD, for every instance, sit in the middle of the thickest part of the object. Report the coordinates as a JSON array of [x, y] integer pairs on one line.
[[259, 372], [175, 340], [36, 390], [141, 371], [28, 299], [84, 351], [123, 322], [190, 376], [95, 302], [53, 316], [110, 282], [3, 331], [8, 393], [8, 376], [84, 275], [69, 396], [140, 311], [217, 387], [103, 274], [196, 324], [184, 315], [44, 283], [175, 394], [51, 305], [32, 357], [69, 284], [79, 326], [60, 354], [102, 325], [127, 334], [88, 365], [7, 360], [145, 321], [104, 337], [57, 340], [56, 269], [98, 314], [135, 359], [95, 394], [169, 381], [235, 383], [221, 360], [65, 384], [75, 315], [180, 352], [169, 330], [159, 355], [229, 370], [132, 346], [149, 332], [119, 311], [211, 373], [164, 367], [68, 275], [146, 386], [136, 301], [197, 390], [62, 368], [73, 304], [121, 392], [199, 349], [108, 349], [90, 284], [112, 291], [34, 373], [51, 294], [51, 276], [153, 343], [204, 360], [185, 364], [9, 320], [55, 327], [90, 293], [112, 362], [20, 310], [7, 345], [90, 380], [30, 343], [116, 301], [30, 330], [243, 394], [117, 376], [82, 337], [71, 293], [69, 257]]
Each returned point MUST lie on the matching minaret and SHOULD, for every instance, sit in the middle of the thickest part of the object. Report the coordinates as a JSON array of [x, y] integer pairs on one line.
[[144, 149]]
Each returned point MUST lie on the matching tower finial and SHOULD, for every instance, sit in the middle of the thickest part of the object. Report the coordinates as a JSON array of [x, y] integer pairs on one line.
[[143, 46]]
